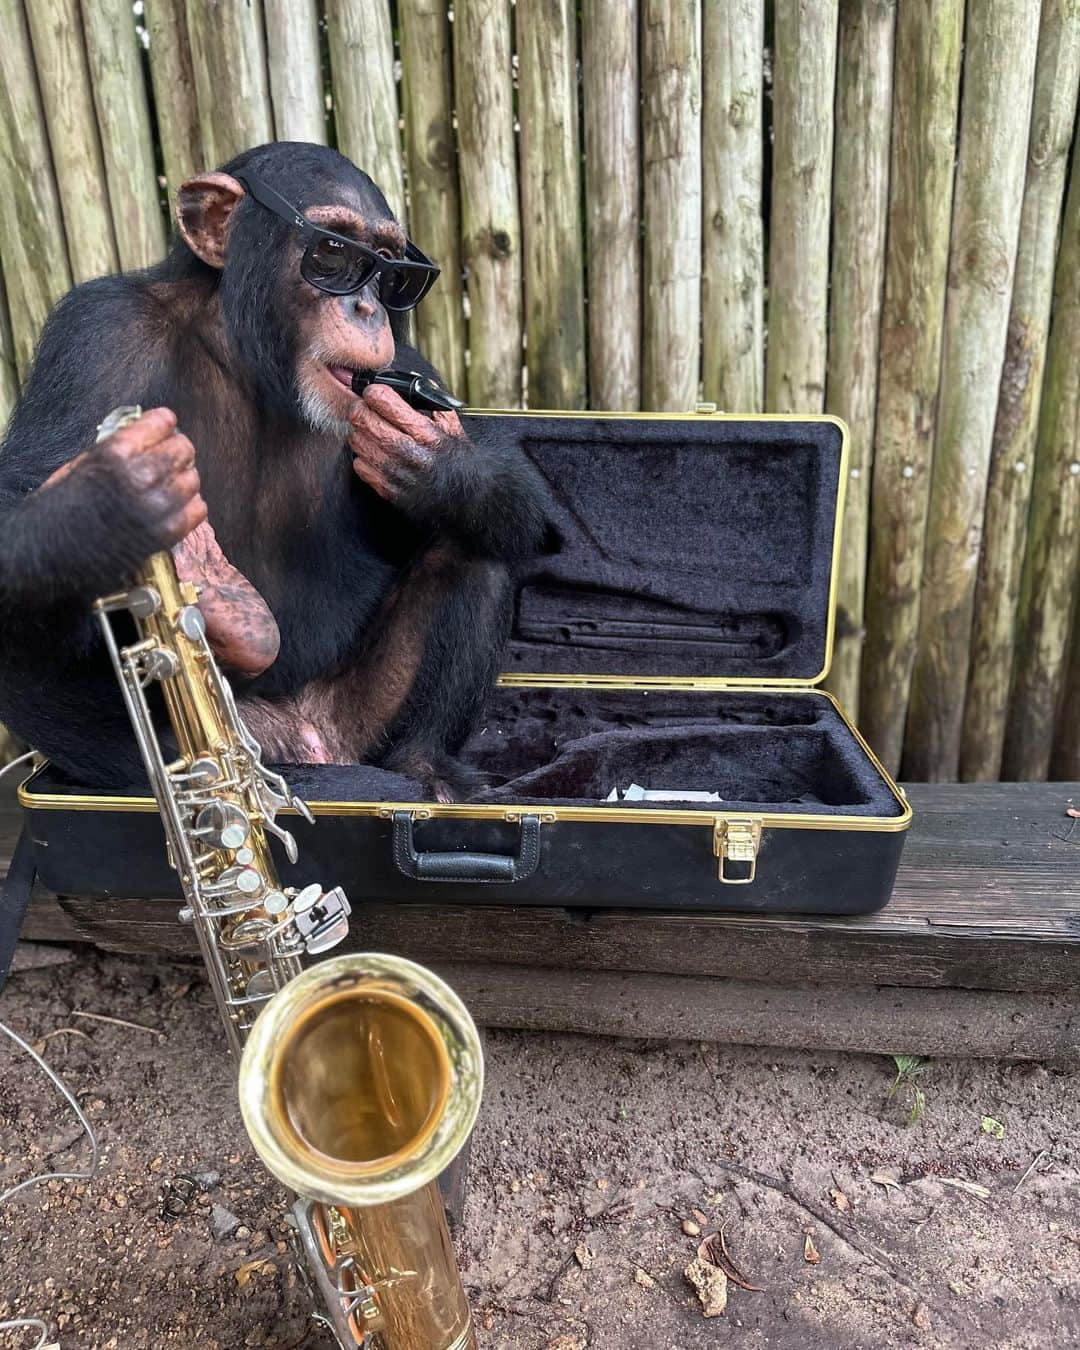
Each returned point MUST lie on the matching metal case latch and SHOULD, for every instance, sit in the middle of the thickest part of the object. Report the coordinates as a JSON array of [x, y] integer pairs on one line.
[[736, 841]]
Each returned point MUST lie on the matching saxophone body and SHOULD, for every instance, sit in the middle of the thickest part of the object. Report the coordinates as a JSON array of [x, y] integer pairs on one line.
[[359, 1077]]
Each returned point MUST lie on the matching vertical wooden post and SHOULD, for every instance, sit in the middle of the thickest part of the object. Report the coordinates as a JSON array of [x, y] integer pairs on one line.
[[1065, 761], [491, 224], [925, 89], [56, 32], [295, 67], [33, 250], [434, 205], [999, 72], [365, 96], [1052, 557], [1057, 74], [859, 211], [733, 266], [671, 136], [123, 115], [175, 99], [551, 204], [804, 79], [609, 38], [229, 59], [9, 377]]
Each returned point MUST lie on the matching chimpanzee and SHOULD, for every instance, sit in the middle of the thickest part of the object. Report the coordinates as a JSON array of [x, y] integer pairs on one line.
[[354, 554]]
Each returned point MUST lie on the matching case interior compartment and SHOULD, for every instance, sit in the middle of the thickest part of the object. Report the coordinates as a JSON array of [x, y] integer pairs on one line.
[[686, 546]]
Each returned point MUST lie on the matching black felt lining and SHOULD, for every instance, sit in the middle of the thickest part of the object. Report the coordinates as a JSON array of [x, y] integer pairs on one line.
[[780, 752], [693, 547]]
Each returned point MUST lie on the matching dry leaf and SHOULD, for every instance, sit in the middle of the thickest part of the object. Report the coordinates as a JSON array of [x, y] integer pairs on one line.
[[993, 1127], [840, 1200], [585, 1256], [701, 1218], [643, 1278], [883, 1179], [260, 1266], [710, 1283], [714, 1250], [957, 1288], [811, 1255], [968, 1187]]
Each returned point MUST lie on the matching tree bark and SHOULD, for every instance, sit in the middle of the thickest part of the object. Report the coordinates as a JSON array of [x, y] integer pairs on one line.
[[999, 71], [490, 221], [434, 204], [295, 68], [733, 267], [613, 201], [365, 96], [56, 31], [551, 204], [671, 136], [175, 101], [228, 56], [926, 81], [860, 209], [804, 85], [123, 115], [33, 248], [1057, 74], [1052, 557]]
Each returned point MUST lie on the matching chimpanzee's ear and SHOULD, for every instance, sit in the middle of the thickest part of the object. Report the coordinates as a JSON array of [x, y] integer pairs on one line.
[[204, 208]]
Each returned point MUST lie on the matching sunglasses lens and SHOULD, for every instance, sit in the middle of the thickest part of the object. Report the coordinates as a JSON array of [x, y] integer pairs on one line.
[[335, 267], [404, 287]]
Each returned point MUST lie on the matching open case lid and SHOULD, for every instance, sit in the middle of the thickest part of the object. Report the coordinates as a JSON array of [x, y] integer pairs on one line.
[[698, 547]]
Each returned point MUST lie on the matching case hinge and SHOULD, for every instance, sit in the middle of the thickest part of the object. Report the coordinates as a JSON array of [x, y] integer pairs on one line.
[[736, 841]]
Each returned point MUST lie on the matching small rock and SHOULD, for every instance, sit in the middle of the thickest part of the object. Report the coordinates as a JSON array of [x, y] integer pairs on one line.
[[601, 1183], [643, 1278], [207, 1180], [921, 1317], [584, 1256], [710, 1284], [568, 1341], [690, 1228], [223, 1223]]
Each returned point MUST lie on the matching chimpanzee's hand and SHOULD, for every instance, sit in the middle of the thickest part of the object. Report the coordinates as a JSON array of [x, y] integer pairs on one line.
[[394, 445], [145, 471], [239, 625]]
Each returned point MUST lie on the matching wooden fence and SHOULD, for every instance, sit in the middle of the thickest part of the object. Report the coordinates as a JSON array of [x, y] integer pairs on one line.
[[862, 206]]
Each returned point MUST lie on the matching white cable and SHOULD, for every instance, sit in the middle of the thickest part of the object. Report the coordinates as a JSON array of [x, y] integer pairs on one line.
[[62, 1087], [28, 1322], [14, 764]]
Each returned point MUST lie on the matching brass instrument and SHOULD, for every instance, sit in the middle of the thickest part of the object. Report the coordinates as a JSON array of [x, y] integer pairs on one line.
[[360, 1078]]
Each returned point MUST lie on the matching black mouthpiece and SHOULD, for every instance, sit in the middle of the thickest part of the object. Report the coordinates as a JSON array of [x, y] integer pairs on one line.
[[417, 390]]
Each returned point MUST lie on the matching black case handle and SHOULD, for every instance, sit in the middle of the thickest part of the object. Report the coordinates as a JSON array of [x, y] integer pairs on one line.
[[462, 866]]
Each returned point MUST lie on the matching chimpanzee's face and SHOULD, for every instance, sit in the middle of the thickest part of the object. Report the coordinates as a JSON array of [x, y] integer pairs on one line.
[[339, 335]]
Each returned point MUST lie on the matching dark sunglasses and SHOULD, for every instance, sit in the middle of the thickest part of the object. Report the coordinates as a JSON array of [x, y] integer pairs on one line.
[[340, 266]]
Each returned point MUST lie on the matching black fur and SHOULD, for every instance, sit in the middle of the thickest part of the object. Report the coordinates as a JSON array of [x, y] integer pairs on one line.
[[286, 505]]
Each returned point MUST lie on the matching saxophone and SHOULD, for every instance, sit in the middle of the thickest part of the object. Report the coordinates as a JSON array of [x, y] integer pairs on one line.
[[359, 1077]]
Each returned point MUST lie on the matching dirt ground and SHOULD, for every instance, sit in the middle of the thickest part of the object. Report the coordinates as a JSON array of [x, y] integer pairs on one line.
[[589, 1158]]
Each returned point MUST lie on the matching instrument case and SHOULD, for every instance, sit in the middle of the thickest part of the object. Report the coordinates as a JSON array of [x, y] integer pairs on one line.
[[676, 640]]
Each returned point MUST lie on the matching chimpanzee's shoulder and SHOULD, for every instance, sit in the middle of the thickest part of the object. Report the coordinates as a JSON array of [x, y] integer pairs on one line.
[[103, 302]]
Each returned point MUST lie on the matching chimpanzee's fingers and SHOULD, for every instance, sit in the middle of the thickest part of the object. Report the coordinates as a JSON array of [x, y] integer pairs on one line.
[[449, 423], [372, 433], [182, 522], [390, 406], [151, 427]]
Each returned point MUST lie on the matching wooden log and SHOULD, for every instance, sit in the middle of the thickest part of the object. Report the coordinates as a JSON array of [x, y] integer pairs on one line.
[[671, 137], [1066, 756], [228, 57], [294, 61], [9, 376], [733, 264], [175, 100], [1057, 74], [490, 220], [999, 71], [364, 93], [804, 79], [434, 202], [856, 1020], [1052, 557], [612, 93], [551, 204], [123, 115], [926, 76], [56, 32], [33, 248], [859, 213]]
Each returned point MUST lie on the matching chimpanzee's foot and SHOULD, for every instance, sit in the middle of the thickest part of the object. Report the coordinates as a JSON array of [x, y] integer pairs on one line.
[[239, 626]]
